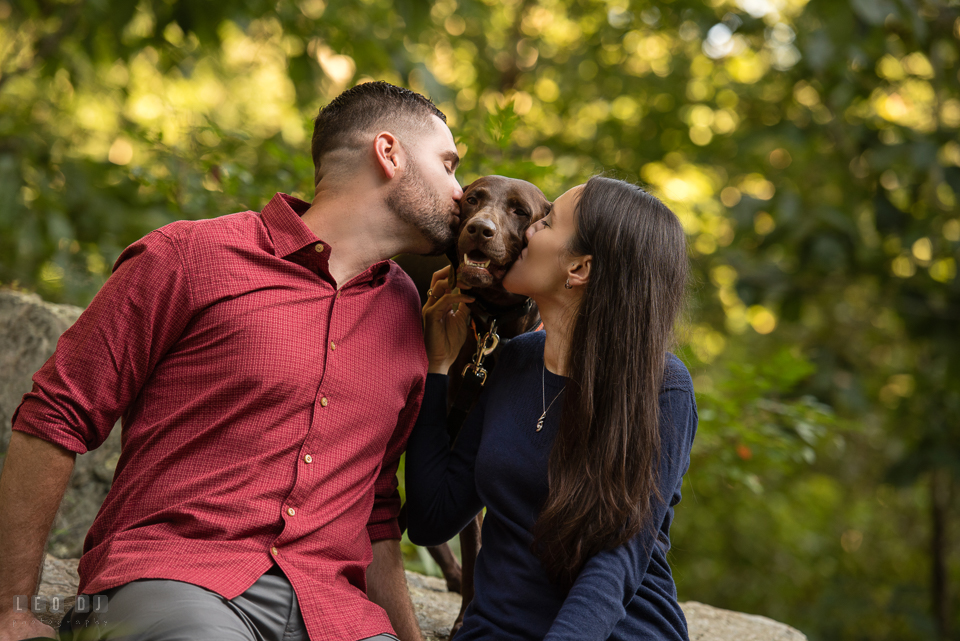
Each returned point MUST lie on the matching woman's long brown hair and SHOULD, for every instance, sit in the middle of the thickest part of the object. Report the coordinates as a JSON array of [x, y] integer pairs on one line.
[[605, 460]]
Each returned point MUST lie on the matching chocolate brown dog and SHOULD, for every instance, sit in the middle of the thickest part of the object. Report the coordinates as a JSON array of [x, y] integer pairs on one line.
[[495, 211], [494, 214]]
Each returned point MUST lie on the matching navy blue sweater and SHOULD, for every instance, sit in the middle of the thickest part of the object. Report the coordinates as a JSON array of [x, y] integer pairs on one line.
[[500, 461]]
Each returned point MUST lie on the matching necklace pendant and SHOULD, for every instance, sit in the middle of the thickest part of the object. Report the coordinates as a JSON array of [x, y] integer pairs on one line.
[[540, 422]]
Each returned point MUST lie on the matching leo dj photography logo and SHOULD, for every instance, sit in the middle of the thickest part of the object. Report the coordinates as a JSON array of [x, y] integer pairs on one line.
[[56, 604]]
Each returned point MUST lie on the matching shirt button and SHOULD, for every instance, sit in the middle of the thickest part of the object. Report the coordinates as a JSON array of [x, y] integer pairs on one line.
[[308, 458], [318, 247], [274, 551], [323, 401], [291, 511], [333, 345]]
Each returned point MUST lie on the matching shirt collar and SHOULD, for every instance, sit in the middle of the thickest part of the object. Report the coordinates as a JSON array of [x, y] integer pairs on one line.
[[282, 215], [282, 219]]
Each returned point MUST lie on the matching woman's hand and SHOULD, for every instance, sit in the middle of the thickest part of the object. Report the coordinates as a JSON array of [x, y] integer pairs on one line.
[[446, 321]]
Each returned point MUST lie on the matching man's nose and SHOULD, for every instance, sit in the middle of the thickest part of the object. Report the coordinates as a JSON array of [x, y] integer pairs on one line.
[[457, 192]]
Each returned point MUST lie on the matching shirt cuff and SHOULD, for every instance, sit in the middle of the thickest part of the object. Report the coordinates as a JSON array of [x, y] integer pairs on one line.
[[386, 530], [29, 422]]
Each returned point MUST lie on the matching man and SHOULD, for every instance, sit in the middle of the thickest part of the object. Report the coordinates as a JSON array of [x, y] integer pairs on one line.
[[268, 368]]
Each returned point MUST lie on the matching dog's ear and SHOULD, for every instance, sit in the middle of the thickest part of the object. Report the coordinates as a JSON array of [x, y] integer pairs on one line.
[[543, 208], [453, 255]]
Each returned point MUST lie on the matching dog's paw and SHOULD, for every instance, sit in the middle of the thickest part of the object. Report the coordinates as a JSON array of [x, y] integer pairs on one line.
[[455, 584], [456, 628]]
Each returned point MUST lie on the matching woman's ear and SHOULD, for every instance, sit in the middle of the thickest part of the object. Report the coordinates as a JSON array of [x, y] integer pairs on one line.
[[578, 273], [386, 149]]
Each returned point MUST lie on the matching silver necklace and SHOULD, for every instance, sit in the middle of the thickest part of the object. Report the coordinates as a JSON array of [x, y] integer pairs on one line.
[[543, 394]]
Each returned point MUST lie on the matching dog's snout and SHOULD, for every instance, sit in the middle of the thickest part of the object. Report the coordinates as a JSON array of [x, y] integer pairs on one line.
[[481, 228]]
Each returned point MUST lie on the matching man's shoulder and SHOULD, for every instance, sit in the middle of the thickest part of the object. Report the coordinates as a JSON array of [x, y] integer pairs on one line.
[[191, 243], [229, 227], [400, 282]]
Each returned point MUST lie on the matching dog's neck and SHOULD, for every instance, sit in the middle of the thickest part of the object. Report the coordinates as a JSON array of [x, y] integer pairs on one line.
[[512, 320], [514, 314]]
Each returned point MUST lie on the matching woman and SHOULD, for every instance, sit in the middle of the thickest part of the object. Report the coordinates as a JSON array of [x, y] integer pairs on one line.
[[578, 445]]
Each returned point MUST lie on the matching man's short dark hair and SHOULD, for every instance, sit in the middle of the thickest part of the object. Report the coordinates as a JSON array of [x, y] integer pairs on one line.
[[361, 108]]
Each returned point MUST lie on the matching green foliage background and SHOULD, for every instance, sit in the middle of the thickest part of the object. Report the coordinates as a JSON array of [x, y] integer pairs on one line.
[[809, 147]]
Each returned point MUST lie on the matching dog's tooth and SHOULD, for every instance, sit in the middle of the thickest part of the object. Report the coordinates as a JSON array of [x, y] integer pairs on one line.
[[469, 263]]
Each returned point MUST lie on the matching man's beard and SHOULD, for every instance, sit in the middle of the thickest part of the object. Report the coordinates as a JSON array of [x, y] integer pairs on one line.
[[414, 203]]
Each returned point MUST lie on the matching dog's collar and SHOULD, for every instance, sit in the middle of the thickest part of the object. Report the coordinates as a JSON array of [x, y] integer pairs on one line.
[[487, 313]]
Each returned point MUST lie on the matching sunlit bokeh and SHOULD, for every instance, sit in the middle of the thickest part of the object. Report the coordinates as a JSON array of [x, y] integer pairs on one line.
[[809, 149]]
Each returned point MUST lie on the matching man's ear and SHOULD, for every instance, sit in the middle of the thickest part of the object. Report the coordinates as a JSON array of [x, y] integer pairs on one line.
[[387, 152], [578, 273]]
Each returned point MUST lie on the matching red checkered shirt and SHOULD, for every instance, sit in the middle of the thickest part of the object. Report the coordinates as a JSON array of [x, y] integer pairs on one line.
[[264, 412]]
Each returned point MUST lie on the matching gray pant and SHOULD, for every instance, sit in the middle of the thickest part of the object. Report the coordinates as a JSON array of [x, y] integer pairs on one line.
[[162, 610]]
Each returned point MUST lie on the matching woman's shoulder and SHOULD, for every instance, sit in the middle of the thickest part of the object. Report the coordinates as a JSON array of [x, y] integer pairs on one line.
[[675, 375], [526, 345], [524, 350]]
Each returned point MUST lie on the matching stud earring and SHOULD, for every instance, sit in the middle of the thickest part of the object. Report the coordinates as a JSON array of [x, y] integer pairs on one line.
[[567, 284]]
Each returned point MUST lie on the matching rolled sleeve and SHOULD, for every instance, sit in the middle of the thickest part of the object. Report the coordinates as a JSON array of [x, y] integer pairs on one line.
[[104, 359]]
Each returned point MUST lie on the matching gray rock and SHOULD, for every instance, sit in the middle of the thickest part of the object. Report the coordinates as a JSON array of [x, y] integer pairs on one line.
[[707, 623], [29, 330], [58, 585], [436, 609]]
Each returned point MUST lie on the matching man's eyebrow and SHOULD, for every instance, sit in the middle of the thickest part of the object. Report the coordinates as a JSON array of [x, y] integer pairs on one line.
[[453, 158]]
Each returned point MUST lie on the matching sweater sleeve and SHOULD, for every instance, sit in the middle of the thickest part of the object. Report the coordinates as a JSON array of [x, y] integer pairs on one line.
[[609, 580], [441, 488]]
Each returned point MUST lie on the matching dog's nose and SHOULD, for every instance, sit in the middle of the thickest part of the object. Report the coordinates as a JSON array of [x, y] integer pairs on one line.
[[479, 228]]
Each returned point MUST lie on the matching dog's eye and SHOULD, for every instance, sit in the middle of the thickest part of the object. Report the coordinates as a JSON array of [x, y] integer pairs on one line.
[[472, 200], [522, 212]]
